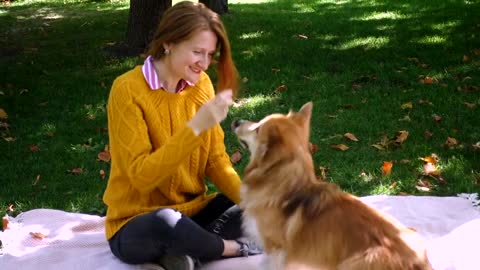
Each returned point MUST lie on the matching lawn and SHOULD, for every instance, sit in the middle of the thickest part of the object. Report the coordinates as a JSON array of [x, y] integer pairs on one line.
[[402, 77]]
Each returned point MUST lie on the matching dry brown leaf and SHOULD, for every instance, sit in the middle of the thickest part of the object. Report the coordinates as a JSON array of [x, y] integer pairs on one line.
[[406, 118], [38, 235], [5, 223], [10, 208], [470, 105], [408, 105], [451, 142], [280, 89], [76, 171], [323, 172], [428, 80], [275, 70], [433, 158], [387, 168], [37, 179], [33, 147], [313, 148], [476, 146], [437, 118], [342, 147], [402, 136], [425, 102], [428, 134], [379, 147], [350, 136], [10, 139], [104, 156], [236, 157], [3, 114], [102, 174], [392, 185]]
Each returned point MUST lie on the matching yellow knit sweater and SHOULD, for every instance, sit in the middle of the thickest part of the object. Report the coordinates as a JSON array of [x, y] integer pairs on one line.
[[157, 161]]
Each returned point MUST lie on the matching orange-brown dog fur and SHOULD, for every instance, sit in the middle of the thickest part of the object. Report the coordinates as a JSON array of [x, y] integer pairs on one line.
[[312, 223]]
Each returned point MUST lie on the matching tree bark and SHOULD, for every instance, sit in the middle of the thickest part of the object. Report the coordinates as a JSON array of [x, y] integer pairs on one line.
[[143, 20], [219, 6]]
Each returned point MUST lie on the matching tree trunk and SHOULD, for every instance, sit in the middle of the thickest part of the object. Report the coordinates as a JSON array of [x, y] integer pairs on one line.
[[143, 20], [219, 6]]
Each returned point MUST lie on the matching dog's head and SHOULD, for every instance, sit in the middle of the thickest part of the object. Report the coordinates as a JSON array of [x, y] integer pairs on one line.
[[276, 132]]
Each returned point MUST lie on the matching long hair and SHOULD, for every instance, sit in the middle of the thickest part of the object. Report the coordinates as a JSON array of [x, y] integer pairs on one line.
[[180, 21]]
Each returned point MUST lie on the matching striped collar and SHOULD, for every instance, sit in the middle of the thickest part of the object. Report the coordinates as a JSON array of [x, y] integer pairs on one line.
[[152, 78]]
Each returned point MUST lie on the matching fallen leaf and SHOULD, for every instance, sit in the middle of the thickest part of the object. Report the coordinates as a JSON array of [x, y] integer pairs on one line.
[[425, 102], [428, 134], [342, 147], [280, 89], [38, 235], [102, 174], [275, 70], [433, 158], [437, 118], [465, 58], [10, 139], [76, 171], [313, 148], [402, 136], [3, 114], [104, 156], [10, 208], [236, 157], [470, 105], [302, 36], [5, 223], [323, 172], [4, 125], [392, 185], [451, 142], [408, 105], [428, 80], [476, 146], [406, 118], [37, 179], [379, 146], [387, 168], [350, 136], [33, 147]]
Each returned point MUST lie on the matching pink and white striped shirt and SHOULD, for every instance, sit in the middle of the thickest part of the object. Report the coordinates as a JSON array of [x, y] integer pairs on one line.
[[152, 78]]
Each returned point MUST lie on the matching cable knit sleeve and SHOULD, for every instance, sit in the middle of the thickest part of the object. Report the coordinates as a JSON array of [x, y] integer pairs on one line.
[[132, 152], [220, 169]]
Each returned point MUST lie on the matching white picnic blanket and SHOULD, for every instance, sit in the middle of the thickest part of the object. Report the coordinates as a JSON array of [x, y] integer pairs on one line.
[[450, 226]]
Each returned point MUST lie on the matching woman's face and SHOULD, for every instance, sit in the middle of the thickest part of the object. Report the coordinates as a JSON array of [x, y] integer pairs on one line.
[[189, 58]]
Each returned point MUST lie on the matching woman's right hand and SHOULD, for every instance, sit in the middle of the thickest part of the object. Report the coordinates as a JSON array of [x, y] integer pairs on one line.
[[212, 112]]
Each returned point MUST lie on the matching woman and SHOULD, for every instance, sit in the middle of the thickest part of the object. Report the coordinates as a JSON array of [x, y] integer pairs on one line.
[[165, 139]]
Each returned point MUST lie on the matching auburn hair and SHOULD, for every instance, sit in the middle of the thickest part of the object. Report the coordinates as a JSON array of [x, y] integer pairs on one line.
[[182, 20]]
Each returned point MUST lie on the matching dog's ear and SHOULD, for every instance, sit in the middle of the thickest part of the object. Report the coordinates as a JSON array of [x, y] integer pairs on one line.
[[272, 139], [306, 111]]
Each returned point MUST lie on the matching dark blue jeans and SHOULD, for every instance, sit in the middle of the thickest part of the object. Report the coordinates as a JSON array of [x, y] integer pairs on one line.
[[147, 237]]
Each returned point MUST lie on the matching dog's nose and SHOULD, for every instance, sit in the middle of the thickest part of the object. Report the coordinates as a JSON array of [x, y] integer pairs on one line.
[[236, 123]]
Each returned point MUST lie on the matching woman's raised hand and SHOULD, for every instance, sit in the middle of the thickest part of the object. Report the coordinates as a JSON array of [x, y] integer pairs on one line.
[[212, 112]]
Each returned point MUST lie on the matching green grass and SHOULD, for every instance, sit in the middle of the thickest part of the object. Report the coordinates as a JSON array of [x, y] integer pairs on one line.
[[358, 61]]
